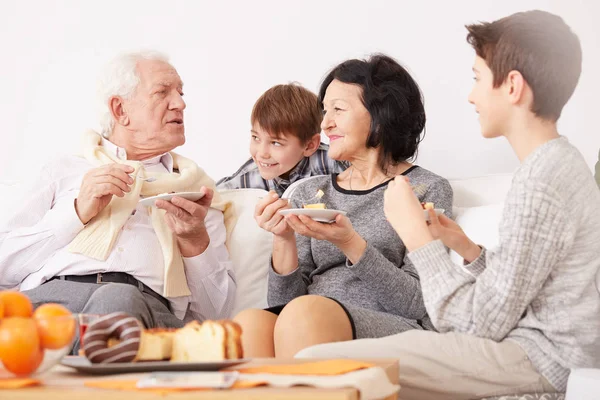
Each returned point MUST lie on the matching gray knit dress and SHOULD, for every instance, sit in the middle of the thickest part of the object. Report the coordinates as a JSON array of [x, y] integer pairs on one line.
[[381, 293]]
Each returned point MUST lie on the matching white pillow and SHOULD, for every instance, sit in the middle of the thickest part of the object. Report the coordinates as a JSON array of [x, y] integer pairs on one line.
[[250, 250], [480, 225], [481, 190]]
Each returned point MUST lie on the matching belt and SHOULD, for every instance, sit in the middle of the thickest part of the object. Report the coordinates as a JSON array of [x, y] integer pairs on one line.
[[114, 277]]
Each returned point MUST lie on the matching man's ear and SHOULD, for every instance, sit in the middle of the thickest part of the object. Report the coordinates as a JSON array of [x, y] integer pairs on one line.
[[312, 145], [516, 87], [119, 114]]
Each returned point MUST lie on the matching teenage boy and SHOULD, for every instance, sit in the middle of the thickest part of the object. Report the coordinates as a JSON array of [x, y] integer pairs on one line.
[[517, 318], [285, 142]]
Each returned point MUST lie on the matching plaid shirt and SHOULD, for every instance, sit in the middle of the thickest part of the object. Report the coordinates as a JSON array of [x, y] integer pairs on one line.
[[248, 176]]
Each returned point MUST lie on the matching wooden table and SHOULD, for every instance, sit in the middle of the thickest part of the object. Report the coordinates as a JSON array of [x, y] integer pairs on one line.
[[63, 383]]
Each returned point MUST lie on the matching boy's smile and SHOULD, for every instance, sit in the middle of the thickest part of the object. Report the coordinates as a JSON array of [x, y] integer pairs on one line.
[[275, 155]]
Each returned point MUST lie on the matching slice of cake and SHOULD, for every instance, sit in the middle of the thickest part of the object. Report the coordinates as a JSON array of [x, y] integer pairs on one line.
[[200, 342], [320, 206], [155, 344], [234, 340], [318, 196]]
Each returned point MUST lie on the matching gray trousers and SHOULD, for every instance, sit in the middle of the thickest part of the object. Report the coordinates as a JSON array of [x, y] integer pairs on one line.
[[105, 298]]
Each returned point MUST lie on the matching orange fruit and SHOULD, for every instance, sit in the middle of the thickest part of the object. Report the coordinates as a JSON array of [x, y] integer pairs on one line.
[[56, 325], [20, 350], [16, 304], [1, 309]]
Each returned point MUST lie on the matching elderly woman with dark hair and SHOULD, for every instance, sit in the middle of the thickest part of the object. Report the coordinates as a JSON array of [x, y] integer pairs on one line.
[[349, 279]]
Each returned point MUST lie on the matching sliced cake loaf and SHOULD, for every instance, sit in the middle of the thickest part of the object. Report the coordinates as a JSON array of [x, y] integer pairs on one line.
[[198, 342], [234, 339]]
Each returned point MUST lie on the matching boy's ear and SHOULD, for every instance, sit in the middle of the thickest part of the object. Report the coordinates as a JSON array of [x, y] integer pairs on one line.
[[312, 145], [516, 87]]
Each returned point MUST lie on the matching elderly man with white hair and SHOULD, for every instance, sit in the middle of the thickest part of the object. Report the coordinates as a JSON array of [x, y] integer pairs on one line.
[[81, 238]]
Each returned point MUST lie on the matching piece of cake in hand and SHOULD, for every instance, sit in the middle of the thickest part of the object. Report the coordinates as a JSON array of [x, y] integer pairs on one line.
[[427, 206]]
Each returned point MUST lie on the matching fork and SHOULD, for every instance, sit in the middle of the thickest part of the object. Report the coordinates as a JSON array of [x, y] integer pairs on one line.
[[420, 189], [151, 179]]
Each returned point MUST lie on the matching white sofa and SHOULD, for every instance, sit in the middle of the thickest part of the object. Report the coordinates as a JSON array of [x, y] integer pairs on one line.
[[477, 208]]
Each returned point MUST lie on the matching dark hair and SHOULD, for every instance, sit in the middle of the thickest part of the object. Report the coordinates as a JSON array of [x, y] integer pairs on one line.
[[394, 101], [541, 47], [288, 109]]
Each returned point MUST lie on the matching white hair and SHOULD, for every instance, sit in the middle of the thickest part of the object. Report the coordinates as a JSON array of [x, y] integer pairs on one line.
[[121, 78]]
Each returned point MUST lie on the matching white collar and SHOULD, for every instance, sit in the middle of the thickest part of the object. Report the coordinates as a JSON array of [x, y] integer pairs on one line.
[[165, 159]]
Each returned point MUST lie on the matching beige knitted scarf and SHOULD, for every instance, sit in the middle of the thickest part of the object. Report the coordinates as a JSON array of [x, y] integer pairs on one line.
[[98, 237]]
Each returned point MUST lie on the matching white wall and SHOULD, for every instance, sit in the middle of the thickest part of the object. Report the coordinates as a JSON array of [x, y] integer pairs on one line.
[[229, 52]]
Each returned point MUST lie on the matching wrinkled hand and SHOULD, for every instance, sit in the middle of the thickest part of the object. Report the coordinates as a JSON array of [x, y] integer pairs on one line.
[[185, 218], [266, 215], [404, 212], [452, 236], [98, 187]]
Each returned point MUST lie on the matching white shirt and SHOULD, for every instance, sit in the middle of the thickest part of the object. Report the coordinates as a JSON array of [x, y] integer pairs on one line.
[[34, 241]]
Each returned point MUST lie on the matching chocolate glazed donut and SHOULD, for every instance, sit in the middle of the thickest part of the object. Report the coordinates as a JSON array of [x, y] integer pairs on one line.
[[118, 325]]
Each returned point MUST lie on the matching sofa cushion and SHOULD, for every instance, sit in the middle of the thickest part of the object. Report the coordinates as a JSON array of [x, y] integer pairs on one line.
[[249, 249], [480, 224], [481, 191]]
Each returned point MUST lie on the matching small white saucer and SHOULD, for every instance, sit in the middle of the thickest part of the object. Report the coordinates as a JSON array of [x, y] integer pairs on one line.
[[319, 215], [149, 201]]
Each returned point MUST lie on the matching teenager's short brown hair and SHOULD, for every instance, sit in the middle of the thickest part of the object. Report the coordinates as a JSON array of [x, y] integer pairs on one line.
[[288, 109], [539, 45]]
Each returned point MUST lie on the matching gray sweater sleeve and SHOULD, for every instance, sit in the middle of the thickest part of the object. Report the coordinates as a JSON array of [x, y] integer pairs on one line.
[[284, 288], [490, 305]]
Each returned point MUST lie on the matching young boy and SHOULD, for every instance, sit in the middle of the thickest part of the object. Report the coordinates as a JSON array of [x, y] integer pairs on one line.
[[517, 318], [285, 143]]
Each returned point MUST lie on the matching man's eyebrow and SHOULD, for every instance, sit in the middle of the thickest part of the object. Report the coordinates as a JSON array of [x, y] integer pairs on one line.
[[475, 70], [167, 84]]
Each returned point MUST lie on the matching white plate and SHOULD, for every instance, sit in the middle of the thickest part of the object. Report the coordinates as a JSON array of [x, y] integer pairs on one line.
[[318, 215], [84, 365], [149, 201], [438, 211]]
